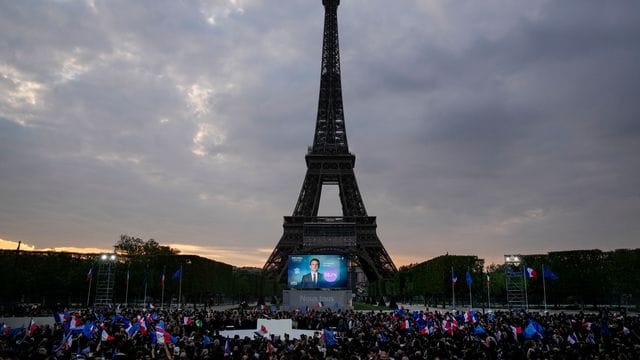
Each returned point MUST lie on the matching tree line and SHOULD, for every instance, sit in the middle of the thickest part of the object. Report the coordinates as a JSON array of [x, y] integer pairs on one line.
[[584, 278], [51, 278]]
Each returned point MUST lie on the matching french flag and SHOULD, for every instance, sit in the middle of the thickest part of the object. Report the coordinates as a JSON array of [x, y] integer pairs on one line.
[[132, 329], [516, 330], [32, 327], [405, 325], [450, 325], [105, 336], [75, 323], [469, 316], [68, 341], [227, 347], [61, 317], [532, 273], [320, 304], [143, 325], [163, 336]]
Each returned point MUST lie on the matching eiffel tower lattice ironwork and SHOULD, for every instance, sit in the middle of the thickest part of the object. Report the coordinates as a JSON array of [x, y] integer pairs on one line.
[[329, 162]]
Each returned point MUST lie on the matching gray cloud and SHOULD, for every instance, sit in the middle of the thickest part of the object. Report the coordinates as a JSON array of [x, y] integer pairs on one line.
[[479, 128]]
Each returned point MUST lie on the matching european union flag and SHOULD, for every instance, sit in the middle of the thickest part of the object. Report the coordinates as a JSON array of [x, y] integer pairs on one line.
[[177, 274], [550, 275], [329, 339]]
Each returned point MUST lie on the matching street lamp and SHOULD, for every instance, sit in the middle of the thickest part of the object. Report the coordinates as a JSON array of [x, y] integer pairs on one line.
[[512, 259]]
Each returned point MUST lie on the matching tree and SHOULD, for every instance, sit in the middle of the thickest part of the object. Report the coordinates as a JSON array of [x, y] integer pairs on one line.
[[130, 245], [136, 247]]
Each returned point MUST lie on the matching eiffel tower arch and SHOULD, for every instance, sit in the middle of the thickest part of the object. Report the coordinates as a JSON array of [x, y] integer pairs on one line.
[[329, 162]]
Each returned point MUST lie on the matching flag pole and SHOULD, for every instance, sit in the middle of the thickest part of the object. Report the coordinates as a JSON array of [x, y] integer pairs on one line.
[[180, 290], [544, 289], [162, 299], [126, 294], [89, 290], [526, 296], [488, 291], [146, 280], [469, 283], [453, 289]]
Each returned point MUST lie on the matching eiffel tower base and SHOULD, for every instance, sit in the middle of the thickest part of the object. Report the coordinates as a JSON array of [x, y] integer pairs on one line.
[[353, 237]]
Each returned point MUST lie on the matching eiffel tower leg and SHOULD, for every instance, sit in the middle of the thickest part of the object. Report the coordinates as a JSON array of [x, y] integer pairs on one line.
[[309, 199], [352, 204], [290, 242]]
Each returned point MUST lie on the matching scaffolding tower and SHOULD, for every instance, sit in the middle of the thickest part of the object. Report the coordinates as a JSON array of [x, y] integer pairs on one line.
[[515, 283], [105, 279]]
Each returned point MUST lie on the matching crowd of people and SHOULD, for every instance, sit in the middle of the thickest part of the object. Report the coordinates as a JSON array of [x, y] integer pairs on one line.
[[399, 334]]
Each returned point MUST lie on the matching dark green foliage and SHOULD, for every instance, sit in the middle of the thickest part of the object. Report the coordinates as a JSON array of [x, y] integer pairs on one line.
[[586, 277], [58, 277], [431, 280]]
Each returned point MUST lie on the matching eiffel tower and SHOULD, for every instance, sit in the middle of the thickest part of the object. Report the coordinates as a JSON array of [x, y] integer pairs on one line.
[[329, 162]]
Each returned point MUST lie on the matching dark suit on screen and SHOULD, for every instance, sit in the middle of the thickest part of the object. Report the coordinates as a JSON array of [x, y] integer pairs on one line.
[[307, 282]]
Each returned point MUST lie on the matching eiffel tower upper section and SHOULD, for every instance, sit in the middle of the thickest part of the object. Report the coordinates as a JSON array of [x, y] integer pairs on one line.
[[330, 136], [330, 162]]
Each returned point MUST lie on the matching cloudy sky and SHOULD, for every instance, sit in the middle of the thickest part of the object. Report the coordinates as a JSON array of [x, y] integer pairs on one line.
[[479, 127]]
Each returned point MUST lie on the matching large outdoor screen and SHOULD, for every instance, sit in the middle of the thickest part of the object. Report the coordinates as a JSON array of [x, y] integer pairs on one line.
[[317, 271]]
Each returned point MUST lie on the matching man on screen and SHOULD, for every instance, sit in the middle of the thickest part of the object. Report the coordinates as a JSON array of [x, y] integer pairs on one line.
[[314, 279]]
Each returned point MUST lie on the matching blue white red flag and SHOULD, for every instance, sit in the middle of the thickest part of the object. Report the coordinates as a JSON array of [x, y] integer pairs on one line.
[[531, 273], [405, 325], [75, 323], [227, 347], [424, 329], [143, 325], [31, 328], [470, 316], [105, 336], [68, 341]]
